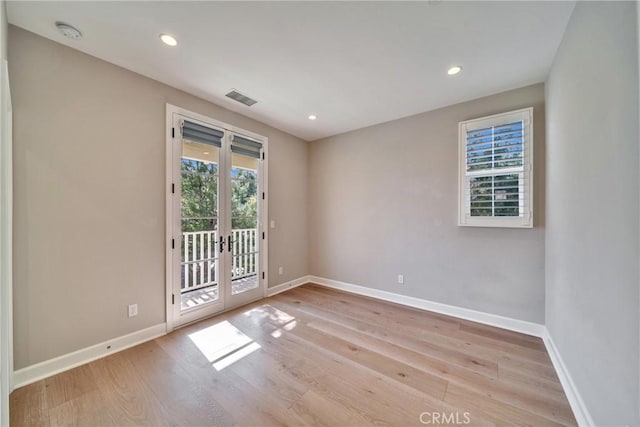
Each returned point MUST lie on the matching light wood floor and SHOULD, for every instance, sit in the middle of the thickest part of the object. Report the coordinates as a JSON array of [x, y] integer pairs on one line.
[[310, 356]]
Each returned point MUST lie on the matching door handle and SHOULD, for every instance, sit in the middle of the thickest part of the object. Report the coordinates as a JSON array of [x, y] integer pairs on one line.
[[221, 244], [230, 241]]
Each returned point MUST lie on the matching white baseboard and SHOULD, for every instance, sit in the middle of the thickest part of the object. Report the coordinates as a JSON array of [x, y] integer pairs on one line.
[[65, 362], [288, 285], [570, 390], [516, 325]]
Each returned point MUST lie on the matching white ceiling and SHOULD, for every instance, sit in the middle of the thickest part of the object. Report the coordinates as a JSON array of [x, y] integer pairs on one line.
[[353, 64]]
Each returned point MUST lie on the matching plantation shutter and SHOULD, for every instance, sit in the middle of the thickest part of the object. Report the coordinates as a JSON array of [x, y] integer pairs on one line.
[[204, 134], [496, 161], [495, 147], [248, 147]]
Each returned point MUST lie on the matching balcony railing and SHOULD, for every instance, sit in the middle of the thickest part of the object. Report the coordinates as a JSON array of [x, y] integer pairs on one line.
[[200, 257]]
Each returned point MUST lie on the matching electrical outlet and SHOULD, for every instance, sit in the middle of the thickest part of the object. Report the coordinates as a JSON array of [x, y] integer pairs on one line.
[[280, 270], [400, 279], [273, 223], [133, 310]]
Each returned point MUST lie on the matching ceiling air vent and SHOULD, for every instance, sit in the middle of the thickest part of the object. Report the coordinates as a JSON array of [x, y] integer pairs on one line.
[[237, 96]]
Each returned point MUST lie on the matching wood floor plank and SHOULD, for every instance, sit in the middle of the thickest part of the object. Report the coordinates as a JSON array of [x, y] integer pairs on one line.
[[228, 389], [385, 309], [537, 365], [379, 399], [499, 412], [503, 335], [183, 400], [28, 406], [310, 356], [520, 396], [476, 364], [90, 409], [420, 380], [62, 388], [264, 372], [535, 383], [317, 410], [132, 401]]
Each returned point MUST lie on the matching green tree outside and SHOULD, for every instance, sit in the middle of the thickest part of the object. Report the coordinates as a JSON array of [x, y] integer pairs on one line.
[[200, 197]]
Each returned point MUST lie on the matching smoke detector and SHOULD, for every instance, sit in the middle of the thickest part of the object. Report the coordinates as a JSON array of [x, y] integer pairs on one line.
[[69, 31]]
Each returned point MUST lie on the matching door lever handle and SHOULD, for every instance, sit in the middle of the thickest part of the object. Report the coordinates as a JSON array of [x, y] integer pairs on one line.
[[230, 241], [221, 244]]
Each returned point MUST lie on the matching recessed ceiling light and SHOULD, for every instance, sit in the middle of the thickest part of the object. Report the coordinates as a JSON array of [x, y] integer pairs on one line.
[[205, 152], [69, 31], [168, 39], [312, 117], [454, 70]]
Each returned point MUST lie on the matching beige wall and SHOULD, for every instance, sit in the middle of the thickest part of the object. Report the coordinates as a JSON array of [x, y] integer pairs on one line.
[[592, 250], [384, 202], [89, 173]]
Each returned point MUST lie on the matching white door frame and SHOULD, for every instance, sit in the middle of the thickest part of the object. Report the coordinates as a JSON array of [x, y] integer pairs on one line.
[[172, 217], [6, 248], [179, 317], [250, 295]]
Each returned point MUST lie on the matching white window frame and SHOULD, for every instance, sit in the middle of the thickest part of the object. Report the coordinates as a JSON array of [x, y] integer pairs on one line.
[[525, 220]]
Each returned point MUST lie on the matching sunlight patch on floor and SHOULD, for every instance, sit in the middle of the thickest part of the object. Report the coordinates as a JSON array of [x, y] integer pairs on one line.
[[223, 344], [286, 327], [267, 312], [232, 358]]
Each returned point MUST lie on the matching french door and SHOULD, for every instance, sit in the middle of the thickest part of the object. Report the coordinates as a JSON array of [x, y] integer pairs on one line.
[[217, 254]]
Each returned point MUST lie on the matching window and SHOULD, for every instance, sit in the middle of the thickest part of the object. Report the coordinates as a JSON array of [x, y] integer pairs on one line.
[[495, 182]]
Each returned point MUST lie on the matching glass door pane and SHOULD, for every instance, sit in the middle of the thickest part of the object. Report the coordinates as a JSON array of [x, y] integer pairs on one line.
[[200, 257], [245, 242], [215, 241]]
